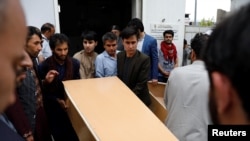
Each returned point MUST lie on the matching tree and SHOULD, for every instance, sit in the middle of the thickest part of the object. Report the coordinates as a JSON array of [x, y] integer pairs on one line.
[[208, 22]]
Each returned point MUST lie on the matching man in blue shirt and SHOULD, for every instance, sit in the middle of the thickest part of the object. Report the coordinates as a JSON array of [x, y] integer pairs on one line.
[[105, 64]]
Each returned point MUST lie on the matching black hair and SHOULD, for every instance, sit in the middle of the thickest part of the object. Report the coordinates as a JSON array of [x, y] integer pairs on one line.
[[115, 27], [137, 24], [184, 41], [128, 32], [57, 39], [109, 36], [32, 30], [228, 52], [47, 27], [198, 43], [89, 35], [168, 32]]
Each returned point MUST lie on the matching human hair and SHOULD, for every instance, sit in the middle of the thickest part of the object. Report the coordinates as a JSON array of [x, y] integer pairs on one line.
[[115, 27], [128, 32], [89, 35], [57, 39], [228, 52], [184, 41], [47, 27], [198, 43], [32, 30], [137, 24], [168, 32], [109, 36]]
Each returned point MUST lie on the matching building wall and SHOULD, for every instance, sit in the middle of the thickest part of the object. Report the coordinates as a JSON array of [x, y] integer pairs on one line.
[[157, 16], [38, 12], [160, 15], [235, 4], [190, 31]]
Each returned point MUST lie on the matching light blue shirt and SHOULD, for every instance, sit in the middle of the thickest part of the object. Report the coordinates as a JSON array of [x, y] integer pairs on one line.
[[46, 51], [105, 65]]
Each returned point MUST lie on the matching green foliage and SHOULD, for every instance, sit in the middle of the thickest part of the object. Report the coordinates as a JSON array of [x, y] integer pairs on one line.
[[208, 22]]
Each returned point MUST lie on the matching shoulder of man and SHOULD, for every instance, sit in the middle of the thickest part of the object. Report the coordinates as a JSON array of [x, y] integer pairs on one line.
[[78, 54], [101, 55], [121, 53], [75, 61], [8, 134], [150, 37], [143, 56]]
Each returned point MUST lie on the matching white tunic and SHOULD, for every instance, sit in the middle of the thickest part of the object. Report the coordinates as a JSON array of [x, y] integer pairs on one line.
[[186, 99]]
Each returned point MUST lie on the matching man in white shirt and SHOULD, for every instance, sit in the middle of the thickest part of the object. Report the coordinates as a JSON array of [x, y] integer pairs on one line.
[[186, 97], [47, 30]]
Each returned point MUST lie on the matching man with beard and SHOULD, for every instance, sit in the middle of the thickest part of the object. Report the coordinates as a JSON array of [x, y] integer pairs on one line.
[[15, 112], [25, 63], [29, 93], [226, 57], [186, 97], [167, 56], [53, 71]]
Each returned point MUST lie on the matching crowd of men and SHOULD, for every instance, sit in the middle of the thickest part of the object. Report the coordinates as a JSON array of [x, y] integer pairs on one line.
[[33, 103]]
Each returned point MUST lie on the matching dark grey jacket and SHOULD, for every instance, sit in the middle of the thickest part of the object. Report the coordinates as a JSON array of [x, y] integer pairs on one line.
[[27, 95], [136, 74]]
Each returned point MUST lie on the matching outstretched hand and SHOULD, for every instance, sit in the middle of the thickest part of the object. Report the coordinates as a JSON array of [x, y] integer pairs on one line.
[[50, 76]]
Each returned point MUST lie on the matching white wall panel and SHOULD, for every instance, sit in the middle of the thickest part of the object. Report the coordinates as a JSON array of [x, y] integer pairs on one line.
[[161, 13], [38, 12], [236, 4]]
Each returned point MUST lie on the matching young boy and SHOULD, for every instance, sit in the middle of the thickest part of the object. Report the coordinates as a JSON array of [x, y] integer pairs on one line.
[[87, 56]]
